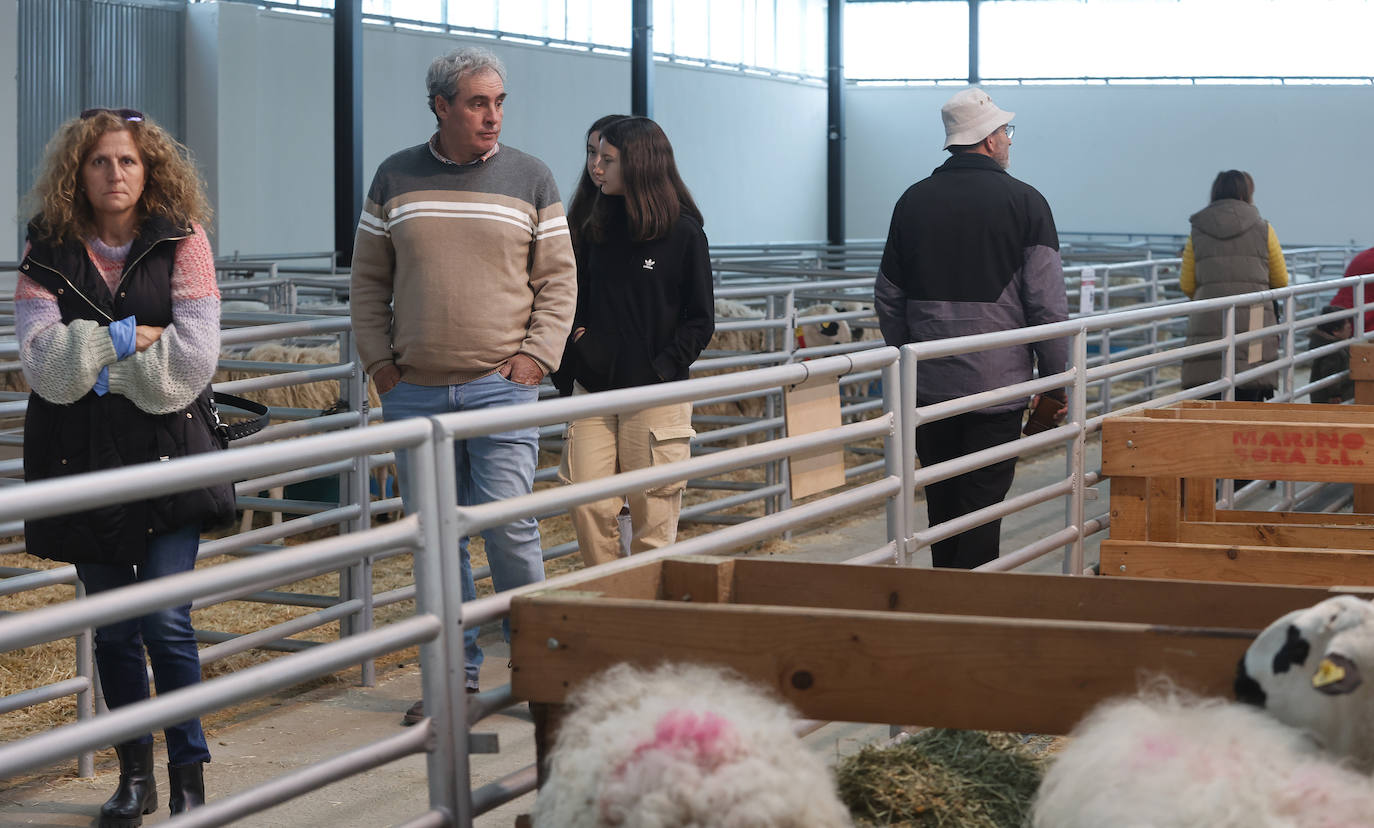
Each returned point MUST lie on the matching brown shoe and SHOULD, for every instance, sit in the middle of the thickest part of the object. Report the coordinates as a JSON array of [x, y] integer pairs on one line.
[[417, 710]]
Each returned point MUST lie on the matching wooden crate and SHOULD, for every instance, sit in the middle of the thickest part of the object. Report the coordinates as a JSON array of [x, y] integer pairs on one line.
[[1164, 463], [948, 648]]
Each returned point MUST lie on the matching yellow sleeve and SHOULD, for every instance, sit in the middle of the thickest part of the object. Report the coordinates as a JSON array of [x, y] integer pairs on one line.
[[1187, 277], [1278, 269]]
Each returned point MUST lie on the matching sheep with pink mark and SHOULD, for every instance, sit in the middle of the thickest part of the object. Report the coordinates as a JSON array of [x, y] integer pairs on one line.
[[1294, 753], [1165, 759], [682, 745]]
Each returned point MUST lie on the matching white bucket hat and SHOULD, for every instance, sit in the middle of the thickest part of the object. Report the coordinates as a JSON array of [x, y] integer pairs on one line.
[[970, 116]]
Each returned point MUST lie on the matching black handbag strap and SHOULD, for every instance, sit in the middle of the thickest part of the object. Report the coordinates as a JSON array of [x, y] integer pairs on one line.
[[243, 428]]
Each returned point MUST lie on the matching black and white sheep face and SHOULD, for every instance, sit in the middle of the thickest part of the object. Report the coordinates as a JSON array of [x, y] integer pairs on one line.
[[1305, 669]]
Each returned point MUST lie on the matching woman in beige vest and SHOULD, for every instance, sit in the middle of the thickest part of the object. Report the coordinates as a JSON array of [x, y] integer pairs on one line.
[[1232, 250]]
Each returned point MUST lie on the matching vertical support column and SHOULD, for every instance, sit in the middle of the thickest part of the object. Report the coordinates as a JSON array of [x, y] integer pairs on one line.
[[1078, 452], [85, 699], [911, 420], [348, 124], [1362, 374], [973, 74], [356, 581], [642, 58], [894, 450], [438, 591], [834, 163]]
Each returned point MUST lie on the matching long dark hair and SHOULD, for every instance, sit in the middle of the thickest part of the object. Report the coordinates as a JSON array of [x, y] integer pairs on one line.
[[580, 205], [1235, 184], [654, 193]]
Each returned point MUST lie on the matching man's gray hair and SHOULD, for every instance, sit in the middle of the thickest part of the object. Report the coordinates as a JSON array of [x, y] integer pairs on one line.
[[446, 70]]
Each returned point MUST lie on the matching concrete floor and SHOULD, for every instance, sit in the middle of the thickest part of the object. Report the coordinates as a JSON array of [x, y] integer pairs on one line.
[[328, 721]]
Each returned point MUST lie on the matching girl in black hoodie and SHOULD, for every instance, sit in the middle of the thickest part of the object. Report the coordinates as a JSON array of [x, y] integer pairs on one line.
[[645, 311]]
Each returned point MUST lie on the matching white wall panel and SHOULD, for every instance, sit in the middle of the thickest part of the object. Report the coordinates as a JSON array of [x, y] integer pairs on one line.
[[1138, 158], [752, 149]]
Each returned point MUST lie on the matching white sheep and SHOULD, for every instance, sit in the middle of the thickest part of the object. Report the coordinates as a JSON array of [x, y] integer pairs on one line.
[[1305, 670], [682, 746], [816, 334], [864, 329], [734, 343], [1167, 760], [737, 342], [312, 395]]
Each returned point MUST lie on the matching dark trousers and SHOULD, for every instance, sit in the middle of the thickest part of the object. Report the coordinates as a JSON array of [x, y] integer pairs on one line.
[[165, 636], [955, 437]]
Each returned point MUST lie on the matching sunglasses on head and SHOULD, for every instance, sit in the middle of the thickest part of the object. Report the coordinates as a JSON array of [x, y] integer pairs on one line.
[[126, 114]]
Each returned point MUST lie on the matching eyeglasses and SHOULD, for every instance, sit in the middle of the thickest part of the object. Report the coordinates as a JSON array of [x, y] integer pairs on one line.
[[1010, 130], [126, 114]]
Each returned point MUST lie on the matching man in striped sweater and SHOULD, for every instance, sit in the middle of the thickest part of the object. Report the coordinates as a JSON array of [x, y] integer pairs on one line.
[[463, 291]]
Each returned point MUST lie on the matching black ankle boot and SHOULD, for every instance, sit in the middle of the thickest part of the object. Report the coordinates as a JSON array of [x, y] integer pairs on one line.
[[137, 791], [188, 786]]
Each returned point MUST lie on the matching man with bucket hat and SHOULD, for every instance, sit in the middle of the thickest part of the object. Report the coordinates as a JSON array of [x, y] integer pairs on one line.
[[972, 250]]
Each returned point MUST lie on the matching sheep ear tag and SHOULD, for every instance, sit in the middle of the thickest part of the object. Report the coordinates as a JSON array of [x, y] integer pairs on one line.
[[1336, 676]]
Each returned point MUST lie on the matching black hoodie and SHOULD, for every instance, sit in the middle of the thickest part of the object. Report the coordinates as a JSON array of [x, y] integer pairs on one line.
[[648, 307]]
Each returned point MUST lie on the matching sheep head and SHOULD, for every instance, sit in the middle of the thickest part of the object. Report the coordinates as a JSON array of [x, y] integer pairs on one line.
[[1305, 669]]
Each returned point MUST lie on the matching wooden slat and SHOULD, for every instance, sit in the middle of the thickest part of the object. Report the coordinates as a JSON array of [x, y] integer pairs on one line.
[[704, 580], [1295, 413], [1362, 372], [1361, 362], [1359, 538], [1238, 564], [1335, 452], [1130, 501], [1364, 498], [1015, 595], [1199, 498], [641, 581], [968, 672], [1166, 508], [1304, 518], [1196, 409]]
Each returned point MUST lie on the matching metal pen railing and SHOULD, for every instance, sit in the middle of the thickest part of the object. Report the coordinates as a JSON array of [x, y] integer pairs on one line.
[[431, 534]]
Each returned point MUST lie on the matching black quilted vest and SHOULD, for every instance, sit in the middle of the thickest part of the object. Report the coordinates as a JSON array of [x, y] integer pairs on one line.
[[105, 432]]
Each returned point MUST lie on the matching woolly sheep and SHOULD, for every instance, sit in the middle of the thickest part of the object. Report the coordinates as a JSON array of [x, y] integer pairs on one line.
[[733, 343], [862, 329], [743, 342], [1305, 670], [682, 746], [316, 395], [815, 334], [1166, 760]]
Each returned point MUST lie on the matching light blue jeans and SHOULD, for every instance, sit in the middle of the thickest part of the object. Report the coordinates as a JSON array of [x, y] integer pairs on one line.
[[494, 467]]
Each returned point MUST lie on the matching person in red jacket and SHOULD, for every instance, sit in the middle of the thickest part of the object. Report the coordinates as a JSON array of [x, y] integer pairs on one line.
[[1362, 264]]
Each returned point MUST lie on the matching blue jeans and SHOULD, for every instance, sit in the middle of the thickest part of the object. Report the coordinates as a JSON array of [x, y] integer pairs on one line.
[[494, 467], [165, 634]]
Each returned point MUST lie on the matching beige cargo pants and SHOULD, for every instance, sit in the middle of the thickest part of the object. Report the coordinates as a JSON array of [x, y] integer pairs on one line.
[[596, 447]]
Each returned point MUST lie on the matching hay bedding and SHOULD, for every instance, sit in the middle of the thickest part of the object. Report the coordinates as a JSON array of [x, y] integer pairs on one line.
[[946, 778]]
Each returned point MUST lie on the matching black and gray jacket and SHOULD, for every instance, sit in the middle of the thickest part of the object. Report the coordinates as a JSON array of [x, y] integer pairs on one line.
[[972, 250], [110, 431]]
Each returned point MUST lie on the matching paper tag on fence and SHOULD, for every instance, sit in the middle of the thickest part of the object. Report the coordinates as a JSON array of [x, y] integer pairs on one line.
[[814, 405], [1255, 353], [1087, 289]]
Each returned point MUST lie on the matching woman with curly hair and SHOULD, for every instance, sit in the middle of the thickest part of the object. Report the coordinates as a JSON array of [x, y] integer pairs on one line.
[[645, 311], [117, 316]]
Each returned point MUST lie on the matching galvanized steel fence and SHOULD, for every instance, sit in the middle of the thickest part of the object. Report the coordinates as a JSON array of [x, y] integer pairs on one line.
[[430, 535]]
